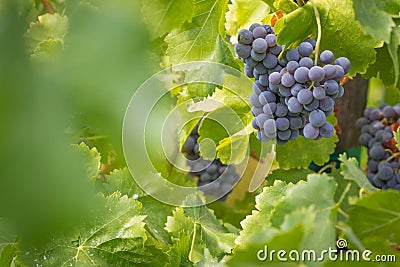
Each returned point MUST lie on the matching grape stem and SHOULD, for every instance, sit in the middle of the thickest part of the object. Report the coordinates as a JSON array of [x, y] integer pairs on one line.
[[395, 155], [193, 240], [47, 6], [328, 166], [318, 18]]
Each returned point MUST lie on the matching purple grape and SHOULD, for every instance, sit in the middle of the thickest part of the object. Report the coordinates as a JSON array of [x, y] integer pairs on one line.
[[259, 32], [282, 124], [270, 61], [305, 49], [331, 87], [269, 127], [281, 110], [317, 118], [257, 56], [305, 97], [287, 80], [245, 37], [275, 50], [292, 55], [306, 62], [266, 97], [326, 130], [319, 93], [301, 75], [275, 78], [243, 51], [260, 45], [294, 105], [344, 63], [326, 57], [271, 40], [316, 74], [292, 66], [330, 71], [310, 132]]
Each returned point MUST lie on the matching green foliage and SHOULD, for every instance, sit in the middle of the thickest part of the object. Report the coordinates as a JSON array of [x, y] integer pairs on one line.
[[376, 17], [67, 78], [397, 138], [340, 32]]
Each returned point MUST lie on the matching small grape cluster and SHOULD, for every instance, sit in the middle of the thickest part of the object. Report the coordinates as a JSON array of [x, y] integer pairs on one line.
[[291, 96], [208, 171], [377, 128]]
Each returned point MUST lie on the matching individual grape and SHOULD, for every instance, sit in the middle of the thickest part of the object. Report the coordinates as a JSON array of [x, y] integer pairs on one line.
[[316, 74], [313, 105], [385, 172], [205, 177], [275, 50], [344, 63], [294, 105], [254, 100], [271, 40], [377, 152], [326, 130], [330, 71], [189, 144], [310, 132], [268, 28], [260, 45], [282, 62], [267, 97], [248, 71], [331, 87], [281, 110], [259, 32], [245, 37], [275, 78], [284, 135], [282, 124], [372, 165], [318, 93], [326, 104], [262, 136], [301, 75], [269, 108], [269, 126], [397, 109], [284, 91], [243, 51], [255, 74], [326, 57], [294, 134], [254, 124], [270, 61], [253, 26], [292, 66], [295, 122], [250, 62], [375, 115], [256, 111], [257, 56], [305, 49], [305, 97], [389, 112], [292, 55], [339, 73], [288, 80], [257, 88], [260, 69], [317, 118], [341, 91], [264, 79], [306, 62], [364, 139]]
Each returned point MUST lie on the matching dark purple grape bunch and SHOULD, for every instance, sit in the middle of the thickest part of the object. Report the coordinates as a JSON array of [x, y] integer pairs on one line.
[[208, 171], [377, 126], [291, 96]]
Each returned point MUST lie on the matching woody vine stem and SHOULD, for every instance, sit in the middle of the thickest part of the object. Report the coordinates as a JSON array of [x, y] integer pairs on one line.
[[318, 18]]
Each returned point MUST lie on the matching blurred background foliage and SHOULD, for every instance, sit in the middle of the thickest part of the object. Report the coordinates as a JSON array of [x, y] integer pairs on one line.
[[67, 73]]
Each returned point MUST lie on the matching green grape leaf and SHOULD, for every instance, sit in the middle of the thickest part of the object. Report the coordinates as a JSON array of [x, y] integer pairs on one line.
[[179, 252], [270, 3], [376, 215], [286, 6], [170, 14], [393, 49], [91, 159], [297, 153], [47, 49], [48, 27], [376, 17], [318, 192], [122, 181], [7, 255], [295, 230], [351, 171], [259, 220], [289, 176], [209, 261], [397, 138], [156, 212], [243, 13], [115, 238], [199, 40], [205, 229], [340, 32]]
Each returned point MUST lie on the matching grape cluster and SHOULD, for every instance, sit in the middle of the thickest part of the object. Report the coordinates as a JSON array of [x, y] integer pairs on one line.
[[377, 128], [291, 96], [208, 171]]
